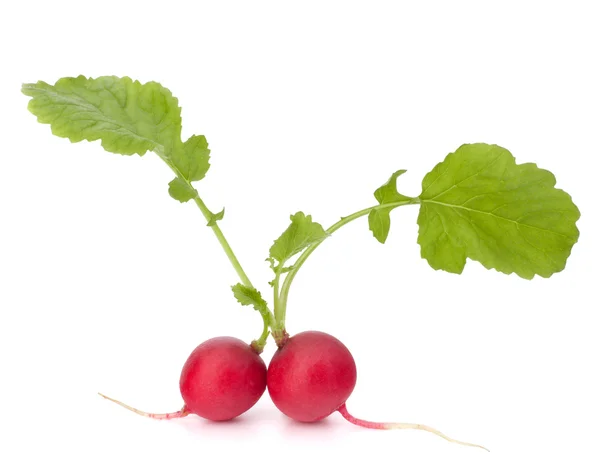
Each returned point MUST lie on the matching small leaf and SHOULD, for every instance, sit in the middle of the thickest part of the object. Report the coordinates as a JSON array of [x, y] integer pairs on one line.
[[127, 116], [479, 204], [191, 158], [301, 233], [216, 217], [249, 297], [181, 191], [379, 218], [388, 192], [379, 223]]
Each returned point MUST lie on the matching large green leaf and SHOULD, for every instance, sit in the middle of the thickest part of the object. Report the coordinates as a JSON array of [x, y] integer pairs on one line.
[[479, 204], [127, 116]]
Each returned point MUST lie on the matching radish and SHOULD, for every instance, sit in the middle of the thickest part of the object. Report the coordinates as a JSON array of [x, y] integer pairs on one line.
[[221, 379], [477, 204], [313, 374]]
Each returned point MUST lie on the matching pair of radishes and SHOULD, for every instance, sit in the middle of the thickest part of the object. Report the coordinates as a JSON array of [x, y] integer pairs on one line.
[[476, 204], [310, 376]]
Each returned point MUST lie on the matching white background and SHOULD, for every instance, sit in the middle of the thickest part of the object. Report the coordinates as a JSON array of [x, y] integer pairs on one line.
[[107, 284]]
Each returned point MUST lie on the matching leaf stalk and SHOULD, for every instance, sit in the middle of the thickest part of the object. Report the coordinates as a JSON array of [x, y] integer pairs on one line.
[[281, 304]]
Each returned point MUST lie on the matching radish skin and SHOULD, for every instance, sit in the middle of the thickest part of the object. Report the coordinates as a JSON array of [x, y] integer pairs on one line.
[[222, 379], [311, 376]]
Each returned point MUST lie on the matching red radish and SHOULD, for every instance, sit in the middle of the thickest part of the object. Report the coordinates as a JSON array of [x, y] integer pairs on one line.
[[222, 378], [313, 374]]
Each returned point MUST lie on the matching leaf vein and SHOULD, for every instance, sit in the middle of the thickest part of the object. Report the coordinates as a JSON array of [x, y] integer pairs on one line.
[[496, 216]]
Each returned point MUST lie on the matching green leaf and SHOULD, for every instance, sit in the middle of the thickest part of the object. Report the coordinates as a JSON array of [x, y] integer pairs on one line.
[[479, 204], [301, 233], [379, 223], [250, 297], [388, 192], [181, 191], [127, 116], [379, 218], [216, 217], [191, 158]]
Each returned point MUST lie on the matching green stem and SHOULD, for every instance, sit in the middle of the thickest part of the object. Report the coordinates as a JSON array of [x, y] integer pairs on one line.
[[279, 333], [223, 241], [276, 289], [280, 311], [267, 316], [259, 344]]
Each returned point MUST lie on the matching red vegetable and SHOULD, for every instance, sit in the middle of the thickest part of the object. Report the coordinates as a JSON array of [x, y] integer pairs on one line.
[[221, 379], [311, 376]]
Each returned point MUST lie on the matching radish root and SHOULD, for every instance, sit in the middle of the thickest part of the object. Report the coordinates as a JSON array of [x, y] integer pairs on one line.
[[165, 416], [388, 426]]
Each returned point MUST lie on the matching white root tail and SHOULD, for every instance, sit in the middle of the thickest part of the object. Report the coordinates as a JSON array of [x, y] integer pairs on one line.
[[390, 426], [164, 416]]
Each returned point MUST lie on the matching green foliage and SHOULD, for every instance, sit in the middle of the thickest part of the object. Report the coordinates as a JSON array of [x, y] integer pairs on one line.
[[479, 204], [387, 195], [214, 217], [249, 297], [301, 233], [191, 158], [181, 190], [127, 117]]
